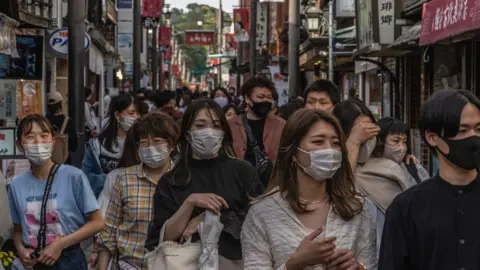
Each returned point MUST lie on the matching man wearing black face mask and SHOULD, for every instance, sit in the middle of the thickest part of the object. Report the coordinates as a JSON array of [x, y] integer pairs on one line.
[[260, 96], [435, 224]]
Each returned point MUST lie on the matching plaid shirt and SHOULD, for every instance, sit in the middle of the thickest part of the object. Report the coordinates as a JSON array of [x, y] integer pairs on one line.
[[128, 216]]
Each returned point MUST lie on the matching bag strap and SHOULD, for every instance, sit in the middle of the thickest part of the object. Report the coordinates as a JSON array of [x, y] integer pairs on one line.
[[64, 125], [248, 130], [43, 212]]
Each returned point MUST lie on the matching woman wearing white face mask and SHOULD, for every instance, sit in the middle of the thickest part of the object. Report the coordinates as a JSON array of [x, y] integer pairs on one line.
[[311, 216], [130, 209], [206, 177], [221, 96], [50, 240], [103, 153]]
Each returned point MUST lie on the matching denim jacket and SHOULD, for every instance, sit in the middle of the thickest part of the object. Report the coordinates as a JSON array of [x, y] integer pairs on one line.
[[91, 167]]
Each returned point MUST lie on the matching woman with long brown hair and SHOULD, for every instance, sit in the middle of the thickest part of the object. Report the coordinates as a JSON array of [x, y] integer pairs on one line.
[[311, 216]]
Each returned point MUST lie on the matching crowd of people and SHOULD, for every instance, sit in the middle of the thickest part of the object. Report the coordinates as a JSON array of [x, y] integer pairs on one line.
[[318, 183]]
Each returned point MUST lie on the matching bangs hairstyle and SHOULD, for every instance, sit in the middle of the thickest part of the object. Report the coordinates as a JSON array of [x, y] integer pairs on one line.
[[181, 173], [130, 154], [340, 188], [347, 112], [26, 124], [156, 124], [442, 112], [389, 126]]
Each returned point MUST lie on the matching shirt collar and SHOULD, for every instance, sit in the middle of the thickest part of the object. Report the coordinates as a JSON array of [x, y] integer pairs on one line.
[[141, 173]]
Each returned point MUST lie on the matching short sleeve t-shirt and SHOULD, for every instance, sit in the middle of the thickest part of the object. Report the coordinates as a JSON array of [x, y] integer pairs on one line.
[[70, 201]]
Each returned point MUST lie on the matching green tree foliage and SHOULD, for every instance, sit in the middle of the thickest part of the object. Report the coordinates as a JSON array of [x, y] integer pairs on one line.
[[183, 20]]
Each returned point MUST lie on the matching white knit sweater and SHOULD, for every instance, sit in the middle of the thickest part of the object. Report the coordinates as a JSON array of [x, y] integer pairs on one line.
[[272, 232]]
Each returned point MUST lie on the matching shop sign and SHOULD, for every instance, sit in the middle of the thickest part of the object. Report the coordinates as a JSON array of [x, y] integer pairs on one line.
[[365, 23], [241, 21], [58, 41], [164, 35], [345, 8], [151, 8], [445, 18], [262, 25], [199, 38], [386, 21]]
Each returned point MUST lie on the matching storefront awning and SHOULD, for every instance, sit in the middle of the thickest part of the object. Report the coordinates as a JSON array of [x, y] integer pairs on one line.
[[408, 39], [346, 33], [437, 27]]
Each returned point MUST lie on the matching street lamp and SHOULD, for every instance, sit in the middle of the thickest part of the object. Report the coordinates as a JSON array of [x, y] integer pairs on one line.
[[199, 23], [315, 20]]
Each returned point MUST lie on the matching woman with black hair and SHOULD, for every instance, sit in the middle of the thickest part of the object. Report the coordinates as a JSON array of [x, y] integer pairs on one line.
[[90, 116], [103, 153], [221, 96], [377, 177], [231, 111], [207, 176]]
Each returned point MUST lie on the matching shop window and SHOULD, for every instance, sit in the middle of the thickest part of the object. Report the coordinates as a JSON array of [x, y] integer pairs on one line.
[[448, 70]]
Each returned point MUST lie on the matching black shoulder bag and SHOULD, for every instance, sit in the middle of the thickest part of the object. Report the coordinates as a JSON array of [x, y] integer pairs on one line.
[[42, 240], [263, 165]]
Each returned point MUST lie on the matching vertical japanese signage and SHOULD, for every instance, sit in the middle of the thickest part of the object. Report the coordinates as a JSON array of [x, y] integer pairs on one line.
[[241, 24], [199, 38], [125, 49], [262, 25], [444, 18], [151, 8], [365, 23], [164, 35], [386, 21]]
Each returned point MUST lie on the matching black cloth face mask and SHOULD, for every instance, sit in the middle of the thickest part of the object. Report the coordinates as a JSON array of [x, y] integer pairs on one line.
[[262, 109], [465, 153]]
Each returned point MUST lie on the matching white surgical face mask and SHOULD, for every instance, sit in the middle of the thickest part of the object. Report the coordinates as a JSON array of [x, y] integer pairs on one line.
[[154, 156], [324, 163], [222, 101], [39, 153], [127, 122], [396, 154], [206, 142], [366, 150]]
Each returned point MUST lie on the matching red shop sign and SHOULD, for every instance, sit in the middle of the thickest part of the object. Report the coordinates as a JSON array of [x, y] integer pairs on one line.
[[164, 35], [199, 38], [151, 8], [442, 19]]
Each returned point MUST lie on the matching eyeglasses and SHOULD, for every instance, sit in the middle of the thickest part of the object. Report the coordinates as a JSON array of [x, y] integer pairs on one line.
[[154, 142]]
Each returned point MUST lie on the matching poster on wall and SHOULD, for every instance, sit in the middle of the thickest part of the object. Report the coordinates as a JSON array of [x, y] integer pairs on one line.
[[281, 84], [29, 98], [7, 142], [8, 96], [14, 167]]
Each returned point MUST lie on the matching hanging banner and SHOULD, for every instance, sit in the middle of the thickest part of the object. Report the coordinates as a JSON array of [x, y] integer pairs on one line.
[[168, 54], [175, 70], [164, 35], [199, 38], [262, 26], [151, 8], [231, 44], [242, 24]]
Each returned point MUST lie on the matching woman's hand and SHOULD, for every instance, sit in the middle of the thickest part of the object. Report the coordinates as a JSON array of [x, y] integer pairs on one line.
[[24, 256], [363, 132], [411, 159], [312, 252], [208, 201], [343, 259], [192, 227], [51, 253]]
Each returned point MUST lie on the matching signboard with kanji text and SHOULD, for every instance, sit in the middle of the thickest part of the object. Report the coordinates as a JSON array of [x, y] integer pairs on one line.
[[199, 38]]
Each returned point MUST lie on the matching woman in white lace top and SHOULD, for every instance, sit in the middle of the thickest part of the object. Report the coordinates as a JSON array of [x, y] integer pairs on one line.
[[312, 217]]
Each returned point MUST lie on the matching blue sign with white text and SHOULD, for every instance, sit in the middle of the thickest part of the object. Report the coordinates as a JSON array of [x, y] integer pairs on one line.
[[124, 4]]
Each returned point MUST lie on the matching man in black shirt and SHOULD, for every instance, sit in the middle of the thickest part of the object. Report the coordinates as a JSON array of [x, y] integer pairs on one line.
[[435, 225]]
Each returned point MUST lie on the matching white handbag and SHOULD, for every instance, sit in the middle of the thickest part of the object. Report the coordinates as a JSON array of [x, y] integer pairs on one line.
[[173, 256]]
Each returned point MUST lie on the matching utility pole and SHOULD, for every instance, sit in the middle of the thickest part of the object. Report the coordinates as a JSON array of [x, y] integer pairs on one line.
[[330, 40], [293, 47], [253, 36], [154, 59], [220, 40], [76, 64], [137, 43]]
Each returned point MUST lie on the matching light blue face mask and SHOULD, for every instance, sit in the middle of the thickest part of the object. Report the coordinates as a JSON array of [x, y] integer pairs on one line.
[[222, 101]]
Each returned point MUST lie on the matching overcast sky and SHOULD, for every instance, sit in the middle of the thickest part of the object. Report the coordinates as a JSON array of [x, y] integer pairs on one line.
[[227, 4]]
